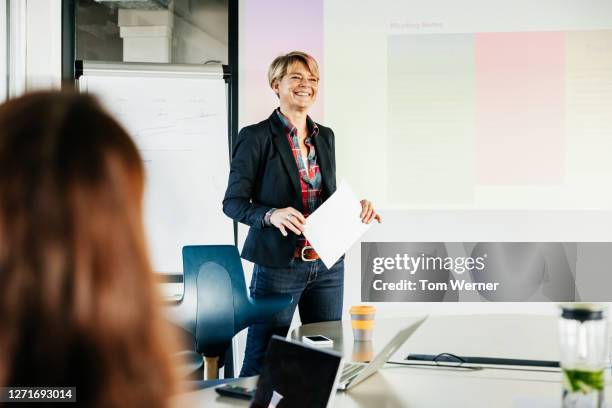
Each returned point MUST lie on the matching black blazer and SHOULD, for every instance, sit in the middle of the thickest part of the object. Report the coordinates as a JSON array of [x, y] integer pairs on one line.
[[263, 175]]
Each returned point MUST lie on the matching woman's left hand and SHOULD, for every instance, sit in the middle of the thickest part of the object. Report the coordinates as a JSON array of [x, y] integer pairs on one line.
[[367, 213]]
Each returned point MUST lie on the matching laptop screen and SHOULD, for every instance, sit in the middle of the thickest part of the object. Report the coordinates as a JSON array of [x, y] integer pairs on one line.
[[296, 376]]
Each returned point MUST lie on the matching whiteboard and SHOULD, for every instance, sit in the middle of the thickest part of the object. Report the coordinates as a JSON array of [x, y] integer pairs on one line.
[[179, 125]]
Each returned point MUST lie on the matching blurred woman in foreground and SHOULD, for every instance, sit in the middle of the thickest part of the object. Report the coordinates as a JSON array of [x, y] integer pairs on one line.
[[77, 300]]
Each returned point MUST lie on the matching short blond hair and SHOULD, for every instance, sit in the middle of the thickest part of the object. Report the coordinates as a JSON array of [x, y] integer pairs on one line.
[[280, 65]]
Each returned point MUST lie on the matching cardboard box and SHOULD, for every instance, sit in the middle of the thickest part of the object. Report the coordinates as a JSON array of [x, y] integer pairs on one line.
[[147, 43]]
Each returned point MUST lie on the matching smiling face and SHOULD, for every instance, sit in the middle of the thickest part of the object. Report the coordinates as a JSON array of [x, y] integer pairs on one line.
[[297, 89]]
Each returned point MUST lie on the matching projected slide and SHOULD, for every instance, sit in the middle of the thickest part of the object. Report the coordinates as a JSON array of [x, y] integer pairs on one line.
[[493, 109], [493, 99], [472, 105]]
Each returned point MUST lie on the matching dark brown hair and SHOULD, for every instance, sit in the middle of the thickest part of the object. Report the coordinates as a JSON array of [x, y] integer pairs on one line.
[[77, 300]]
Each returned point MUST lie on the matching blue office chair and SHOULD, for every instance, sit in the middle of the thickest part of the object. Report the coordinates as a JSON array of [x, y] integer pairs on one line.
[[215, 304]]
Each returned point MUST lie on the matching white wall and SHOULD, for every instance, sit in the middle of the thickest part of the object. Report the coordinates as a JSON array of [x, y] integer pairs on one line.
[[35, 46], [3, 51], [17, 48], [43, 44]]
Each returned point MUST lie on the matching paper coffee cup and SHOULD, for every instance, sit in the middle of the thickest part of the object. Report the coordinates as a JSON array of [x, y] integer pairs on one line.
[[362, 322]]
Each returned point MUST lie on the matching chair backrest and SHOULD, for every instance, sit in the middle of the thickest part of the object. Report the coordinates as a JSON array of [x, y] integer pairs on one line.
[[214, 280], [215, 304]]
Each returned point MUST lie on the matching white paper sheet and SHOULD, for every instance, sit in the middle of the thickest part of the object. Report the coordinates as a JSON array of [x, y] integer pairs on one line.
[[335, 225]]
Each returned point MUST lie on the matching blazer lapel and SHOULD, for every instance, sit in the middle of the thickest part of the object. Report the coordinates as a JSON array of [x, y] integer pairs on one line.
[[284, 150], [323, 157]]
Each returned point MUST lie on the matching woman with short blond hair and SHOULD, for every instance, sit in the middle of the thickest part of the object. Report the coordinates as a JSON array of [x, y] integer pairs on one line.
[[282, 169]]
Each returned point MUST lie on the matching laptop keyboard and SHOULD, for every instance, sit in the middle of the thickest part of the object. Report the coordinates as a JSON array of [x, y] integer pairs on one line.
[[350, 370]]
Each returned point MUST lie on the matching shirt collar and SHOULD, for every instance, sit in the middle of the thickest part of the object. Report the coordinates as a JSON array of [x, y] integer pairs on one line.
[[313, 129]]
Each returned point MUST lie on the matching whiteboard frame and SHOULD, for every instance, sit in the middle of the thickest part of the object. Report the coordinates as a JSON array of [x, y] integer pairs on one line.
[[136, 69]]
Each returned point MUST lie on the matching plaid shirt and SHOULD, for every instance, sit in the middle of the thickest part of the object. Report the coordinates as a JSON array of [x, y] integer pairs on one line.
[[310, 178]]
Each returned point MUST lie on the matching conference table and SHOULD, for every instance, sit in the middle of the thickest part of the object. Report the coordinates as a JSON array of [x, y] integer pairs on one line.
[[425, 384]]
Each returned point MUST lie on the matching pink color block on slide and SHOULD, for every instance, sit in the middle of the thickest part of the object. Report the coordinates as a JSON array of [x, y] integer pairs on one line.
[[520, 108]]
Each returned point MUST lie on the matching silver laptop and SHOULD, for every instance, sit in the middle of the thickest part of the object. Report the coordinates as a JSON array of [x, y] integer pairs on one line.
[[354, 373]]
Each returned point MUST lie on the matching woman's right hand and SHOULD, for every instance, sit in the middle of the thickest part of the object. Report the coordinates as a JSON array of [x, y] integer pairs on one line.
[[288, 218]]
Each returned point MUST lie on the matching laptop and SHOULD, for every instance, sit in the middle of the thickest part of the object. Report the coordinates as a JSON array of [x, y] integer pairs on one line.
[[354, 373], [297, 376]]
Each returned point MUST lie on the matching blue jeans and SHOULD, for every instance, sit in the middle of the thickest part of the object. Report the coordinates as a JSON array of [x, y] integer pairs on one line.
[[317, 291]]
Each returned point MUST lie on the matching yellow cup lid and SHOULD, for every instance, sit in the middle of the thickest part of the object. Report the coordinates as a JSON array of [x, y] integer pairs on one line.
[[362, 310]]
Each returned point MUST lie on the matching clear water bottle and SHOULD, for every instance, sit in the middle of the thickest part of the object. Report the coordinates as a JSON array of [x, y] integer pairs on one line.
[[583, 337]]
